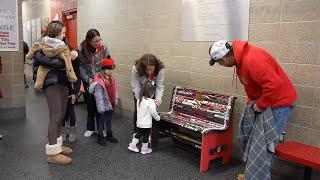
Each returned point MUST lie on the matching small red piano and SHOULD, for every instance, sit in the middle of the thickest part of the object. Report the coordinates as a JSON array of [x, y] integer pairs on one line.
[[200, 119]]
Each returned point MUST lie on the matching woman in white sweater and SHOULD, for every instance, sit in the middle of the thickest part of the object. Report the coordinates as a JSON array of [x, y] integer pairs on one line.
[[146, 110], [147, 68]]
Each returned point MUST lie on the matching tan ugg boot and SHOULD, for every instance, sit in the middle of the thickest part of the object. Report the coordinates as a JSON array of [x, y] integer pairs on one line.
[[54, 156], [59, 159], [65, 150]]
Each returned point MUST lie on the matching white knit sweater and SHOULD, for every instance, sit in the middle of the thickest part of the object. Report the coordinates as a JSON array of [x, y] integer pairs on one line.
[[137, 82], [146, 110]]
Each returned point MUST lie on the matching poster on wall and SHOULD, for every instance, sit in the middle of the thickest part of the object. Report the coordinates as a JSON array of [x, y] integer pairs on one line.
[[212, 20], [9, 37]]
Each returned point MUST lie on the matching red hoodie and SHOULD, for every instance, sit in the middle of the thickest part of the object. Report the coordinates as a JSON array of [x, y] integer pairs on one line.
[[262, 77]]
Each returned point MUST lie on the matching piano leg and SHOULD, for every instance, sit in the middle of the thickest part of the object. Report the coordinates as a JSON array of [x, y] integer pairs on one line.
[[228, 142], [204, 159], [215, 145]]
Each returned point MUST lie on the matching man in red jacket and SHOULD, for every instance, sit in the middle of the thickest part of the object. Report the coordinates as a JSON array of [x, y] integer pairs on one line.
[[262, 77]]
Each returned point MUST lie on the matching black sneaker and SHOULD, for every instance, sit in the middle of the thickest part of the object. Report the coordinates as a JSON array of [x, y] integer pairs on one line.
[[101, 140], [110, 138]]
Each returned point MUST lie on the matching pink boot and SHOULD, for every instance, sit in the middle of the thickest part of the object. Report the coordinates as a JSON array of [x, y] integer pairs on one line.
[[145, 149], [133, 145]]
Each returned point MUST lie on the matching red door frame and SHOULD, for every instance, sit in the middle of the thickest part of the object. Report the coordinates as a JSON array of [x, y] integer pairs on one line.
[[71, 27]]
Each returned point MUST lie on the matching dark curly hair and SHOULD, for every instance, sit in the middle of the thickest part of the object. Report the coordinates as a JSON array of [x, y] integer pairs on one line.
[[151, 60]]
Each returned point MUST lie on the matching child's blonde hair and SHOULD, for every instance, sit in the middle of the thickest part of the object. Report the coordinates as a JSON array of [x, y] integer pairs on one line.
[[102, 75]]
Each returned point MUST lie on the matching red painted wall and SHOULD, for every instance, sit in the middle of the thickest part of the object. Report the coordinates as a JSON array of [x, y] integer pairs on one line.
[[71, 26], [60, 7], [57, 6]]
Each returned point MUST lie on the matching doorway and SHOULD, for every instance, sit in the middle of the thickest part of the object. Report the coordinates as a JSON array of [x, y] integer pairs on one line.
[[69, 18]]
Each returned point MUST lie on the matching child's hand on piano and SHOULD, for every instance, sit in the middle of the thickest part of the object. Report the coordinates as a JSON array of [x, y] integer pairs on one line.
[[158, 103]]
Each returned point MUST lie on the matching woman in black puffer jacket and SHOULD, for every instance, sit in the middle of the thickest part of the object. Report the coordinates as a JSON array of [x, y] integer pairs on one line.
[[58, 76], [56, 88]]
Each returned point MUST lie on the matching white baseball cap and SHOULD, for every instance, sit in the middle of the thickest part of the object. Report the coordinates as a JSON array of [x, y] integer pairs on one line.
[[218, 50]]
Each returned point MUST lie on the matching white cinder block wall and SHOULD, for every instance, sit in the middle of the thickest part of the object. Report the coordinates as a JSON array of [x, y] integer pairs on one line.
[[289, 29]]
